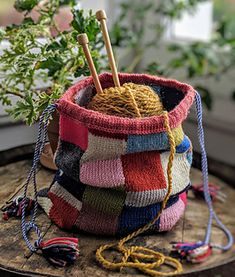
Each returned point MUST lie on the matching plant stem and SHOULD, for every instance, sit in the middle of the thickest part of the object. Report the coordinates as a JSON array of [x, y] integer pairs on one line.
[[16, 93]]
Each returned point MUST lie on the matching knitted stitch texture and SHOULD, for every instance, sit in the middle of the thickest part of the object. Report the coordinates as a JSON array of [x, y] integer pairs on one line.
[[103, 211], [113, 170]]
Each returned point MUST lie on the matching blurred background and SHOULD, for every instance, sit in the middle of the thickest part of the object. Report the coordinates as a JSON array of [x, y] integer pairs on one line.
[[190, 40]]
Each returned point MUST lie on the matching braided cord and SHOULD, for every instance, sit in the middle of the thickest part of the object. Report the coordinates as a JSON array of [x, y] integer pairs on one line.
[[40, 143], [212, 213], [137, 254]]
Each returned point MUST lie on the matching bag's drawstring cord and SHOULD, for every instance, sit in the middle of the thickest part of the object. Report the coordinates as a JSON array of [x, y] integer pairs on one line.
[[198, 252], [40, 143], [206, 183], [58, 251], [134, 256]]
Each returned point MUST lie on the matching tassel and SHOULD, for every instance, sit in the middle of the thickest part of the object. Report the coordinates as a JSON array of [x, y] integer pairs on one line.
[[14, 208], [192, 252], [61, 251], [214, 192]]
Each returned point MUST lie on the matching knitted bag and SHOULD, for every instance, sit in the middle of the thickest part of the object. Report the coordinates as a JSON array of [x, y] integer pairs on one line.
[[113, 170]]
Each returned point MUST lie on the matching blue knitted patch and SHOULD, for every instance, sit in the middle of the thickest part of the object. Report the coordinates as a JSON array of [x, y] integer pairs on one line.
[[140, 143], [184, 146], [190, 157], [75, 188], [133, 218], [151, 142]]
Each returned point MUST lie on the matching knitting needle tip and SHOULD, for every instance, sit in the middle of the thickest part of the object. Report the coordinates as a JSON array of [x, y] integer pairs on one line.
[[84, 41], [101, 17]]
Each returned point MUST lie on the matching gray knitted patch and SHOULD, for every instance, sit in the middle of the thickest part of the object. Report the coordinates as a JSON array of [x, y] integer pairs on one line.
[[68, 158], [84, 96]]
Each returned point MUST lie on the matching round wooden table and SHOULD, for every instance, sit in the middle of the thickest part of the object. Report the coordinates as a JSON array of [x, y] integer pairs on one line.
[[16, 259]]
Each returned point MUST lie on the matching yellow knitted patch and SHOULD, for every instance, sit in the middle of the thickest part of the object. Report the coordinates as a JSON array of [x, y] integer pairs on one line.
[[178, 135]]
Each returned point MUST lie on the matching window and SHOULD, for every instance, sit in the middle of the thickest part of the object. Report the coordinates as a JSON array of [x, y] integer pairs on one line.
[[194, 25]]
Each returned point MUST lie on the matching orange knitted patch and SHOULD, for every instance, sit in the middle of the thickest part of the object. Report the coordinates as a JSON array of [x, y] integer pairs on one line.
[[143, 171]]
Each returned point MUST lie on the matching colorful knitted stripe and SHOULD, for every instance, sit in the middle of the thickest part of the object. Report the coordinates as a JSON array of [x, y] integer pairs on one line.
[[143, 175], [137, 172], [133, 218], [99, 146], [103, 211], [113, 195]]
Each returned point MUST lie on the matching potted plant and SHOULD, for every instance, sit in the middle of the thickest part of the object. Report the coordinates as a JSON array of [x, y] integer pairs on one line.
[[42, 58]]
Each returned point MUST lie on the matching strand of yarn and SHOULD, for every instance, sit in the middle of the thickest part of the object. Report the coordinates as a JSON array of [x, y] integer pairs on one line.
[[134, 256], [130, 100]]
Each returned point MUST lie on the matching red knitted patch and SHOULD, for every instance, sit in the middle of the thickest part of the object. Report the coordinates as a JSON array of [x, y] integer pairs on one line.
[[183, 197], [60, 211], [73, 131], [143, 171]]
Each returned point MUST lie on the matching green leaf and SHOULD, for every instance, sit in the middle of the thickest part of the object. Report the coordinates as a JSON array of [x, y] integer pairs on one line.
[[155, 69], [174, 47], [89, 25], [78, 22], [4, 99], [68, 2], [24, 109], [2, 34], [25, 5], [48, 97], [53, 64], [60, 45]]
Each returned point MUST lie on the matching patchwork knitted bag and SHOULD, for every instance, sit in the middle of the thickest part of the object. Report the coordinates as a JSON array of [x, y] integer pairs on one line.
[[121, 176], [113, 170]]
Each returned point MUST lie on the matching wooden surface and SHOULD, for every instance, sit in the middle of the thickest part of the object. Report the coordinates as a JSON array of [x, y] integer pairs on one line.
[[16, 259]]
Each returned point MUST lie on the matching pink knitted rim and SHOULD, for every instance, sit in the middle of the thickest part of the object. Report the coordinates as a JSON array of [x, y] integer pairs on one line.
[[115, 124]]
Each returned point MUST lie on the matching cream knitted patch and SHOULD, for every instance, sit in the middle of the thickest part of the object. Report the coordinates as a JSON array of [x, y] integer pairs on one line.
[[45, 203], [180, 170], [103, 148], [144, 198]]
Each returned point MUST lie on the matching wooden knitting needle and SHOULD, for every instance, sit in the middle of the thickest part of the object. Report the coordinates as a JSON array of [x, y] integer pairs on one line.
[[101, 16], [83, 41]]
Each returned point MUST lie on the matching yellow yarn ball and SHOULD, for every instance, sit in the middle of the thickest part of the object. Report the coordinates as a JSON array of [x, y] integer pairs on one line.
[[130, 100]]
